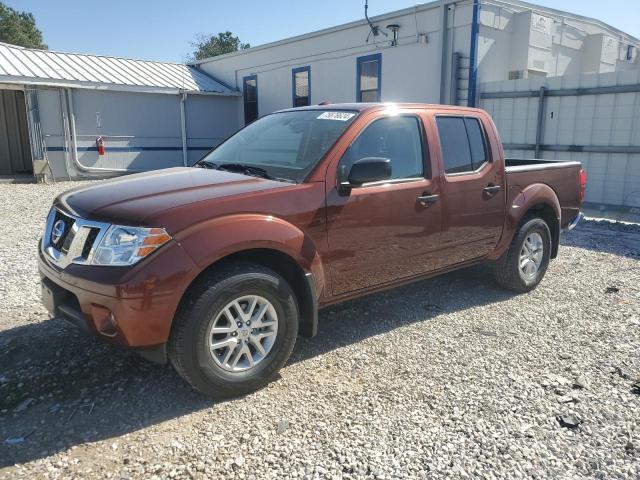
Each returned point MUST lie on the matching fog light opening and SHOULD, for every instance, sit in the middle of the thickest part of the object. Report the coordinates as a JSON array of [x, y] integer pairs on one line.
[[105, 321]]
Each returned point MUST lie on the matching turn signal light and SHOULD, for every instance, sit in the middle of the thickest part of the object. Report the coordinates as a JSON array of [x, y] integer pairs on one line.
[[157, 237]]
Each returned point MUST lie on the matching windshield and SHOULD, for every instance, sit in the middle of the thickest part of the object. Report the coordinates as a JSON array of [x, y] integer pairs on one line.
[[284, 145]]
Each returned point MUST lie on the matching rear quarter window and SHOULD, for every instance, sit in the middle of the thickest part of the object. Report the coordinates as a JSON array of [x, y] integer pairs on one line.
[[476, 142]]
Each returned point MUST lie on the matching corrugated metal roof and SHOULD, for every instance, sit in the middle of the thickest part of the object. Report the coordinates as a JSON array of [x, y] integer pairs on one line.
[[25, 65]]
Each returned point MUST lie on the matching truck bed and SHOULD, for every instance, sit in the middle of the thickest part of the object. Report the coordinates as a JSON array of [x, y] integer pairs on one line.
[[562, 176]]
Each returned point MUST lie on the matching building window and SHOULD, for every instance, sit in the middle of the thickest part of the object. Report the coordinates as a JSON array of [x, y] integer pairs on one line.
[[301, 86], [369, 78], [250, 94]]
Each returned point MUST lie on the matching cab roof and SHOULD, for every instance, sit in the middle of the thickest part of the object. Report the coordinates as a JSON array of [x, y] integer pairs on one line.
[[364, 107]]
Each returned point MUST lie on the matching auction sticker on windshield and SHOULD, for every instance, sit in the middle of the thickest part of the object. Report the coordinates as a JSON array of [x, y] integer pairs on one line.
[[340, 116]]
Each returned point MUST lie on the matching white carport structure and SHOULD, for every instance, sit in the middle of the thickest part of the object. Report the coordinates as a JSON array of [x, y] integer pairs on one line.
[[149, 115]]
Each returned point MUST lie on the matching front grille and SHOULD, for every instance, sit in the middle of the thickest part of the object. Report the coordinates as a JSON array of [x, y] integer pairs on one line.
[[68, 224], [77, 242], [88, 244]]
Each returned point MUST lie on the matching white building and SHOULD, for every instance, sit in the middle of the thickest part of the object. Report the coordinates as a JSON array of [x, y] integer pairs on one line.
[[490, 53], [440, 53]]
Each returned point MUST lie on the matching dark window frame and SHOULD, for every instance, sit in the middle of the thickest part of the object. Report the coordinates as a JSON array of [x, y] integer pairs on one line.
[[244, 97], [294, 71], [424, 145], [487, 149], [369, 58]]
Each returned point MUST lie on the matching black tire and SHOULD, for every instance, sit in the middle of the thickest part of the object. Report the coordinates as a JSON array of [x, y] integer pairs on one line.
[[506, 269], [188, 344]]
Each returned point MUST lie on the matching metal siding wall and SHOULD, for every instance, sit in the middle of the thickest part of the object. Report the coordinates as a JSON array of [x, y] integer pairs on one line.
[[140, 131], [586, 120], [15, 152], [209, 121]]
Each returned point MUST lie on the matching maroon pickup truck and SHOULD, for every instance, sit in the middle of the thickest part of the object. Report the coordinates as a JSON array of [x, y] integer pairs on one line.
[[218, 267]]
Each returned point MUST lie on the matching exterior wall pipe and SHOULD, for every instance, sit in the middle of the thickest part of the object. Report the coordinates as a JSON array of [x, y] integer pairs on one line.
[[183, 128], [539, 124], [473, 55], [444, 7], [65, 131], [455, 70]]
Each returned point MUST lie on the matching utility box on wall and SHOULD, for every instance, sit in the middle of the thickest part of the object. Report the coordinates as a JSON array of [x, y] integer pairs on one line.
[[40, 170]]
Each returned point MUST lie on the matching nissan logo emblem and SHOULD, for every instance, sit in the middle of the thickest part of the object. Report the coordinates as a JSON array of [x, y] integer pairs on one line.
[[57, 231]]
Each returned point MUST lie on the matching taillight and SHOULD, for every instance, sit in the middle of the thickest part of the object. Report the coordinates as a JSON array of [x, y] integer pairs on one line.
[[583, 184]]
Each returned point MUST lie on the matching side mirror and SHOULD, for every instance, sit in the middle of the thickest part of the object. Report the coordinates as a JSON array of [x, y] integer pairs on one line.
[[366, 170]]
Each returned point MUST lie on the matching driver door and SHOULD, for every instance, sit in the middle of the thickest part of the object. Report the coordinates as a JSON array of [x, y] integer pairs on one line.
[[385, 231]]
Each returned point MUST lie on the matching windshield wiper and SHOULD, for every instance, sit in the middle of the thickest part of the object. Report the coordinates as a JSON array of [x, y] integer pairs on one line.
[[239, 167], [250, 169], [205, 164]]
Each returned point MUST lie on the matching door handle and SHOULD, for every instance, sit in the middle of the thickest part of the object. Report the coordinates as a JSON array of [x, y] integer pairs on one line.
[[427, 199], [491, 189]]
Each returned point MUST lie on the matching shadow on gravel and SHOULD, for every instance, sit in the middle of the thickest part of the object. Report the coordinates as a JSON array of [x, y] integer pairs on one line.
[[596, 235], [60, 388]]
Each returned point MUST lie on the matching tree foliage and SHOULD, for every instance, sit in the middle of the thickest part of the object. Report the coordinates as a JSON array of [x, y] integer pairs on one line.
[[19, 28], [212, 45]]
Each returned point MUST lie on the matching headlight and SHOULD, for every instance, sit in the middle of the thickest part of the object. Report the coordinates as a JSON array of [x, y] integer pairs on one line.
[[127, 245]]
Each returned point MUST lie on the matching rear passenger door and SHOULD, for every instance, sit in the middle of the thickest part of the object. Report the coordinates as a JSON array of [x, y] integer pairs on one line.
[[472, 189]]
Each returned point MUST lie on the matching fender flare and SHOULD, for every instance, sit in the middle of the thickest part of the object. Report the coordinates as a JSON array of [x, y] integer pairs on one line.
[[213, 240], [532, 197]]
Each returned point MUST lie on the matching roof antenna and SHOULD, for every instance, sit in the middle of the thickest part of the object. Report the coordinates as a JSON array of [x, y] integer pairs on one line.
[[374, 29]]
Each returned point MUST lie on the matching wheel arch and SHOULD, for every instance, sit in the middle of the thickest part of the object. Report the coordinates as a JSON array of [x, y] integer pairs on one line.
[[539, 200], [264, 240], [302, 283]]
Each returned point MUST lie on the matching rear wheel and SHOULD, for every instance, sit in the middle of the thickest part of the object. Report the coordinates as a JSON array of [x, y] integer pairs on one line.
[[522, 267], [234, 330]]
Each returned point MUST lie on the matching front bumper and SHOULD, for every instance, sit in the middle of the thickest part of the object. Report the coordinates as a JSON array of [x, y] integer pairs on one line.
[[131, 307]]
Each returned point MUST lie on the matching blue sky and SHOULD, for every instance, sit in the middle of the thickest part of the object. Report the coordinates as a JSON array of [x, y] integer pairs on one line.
[[163, 30]]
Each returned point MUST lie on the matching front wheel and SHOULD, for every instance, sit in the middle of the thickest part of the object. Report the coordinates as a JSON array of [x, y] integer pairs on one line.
[[234, 330], [522, 267]]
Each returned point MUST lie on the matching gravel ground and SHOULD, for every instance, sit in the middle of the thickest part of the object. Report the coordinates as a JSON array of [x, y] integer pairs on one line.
[[445, 378]]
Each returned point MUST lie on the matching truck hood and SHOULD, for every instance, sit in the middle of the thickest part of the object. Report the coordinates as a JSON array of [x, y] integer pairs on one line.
[[134, 199]]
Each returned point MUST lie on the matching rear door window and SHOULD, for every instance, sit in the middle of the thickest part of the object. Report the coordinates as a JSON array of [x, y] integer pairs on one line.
[[456, 154], [462, 144]]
